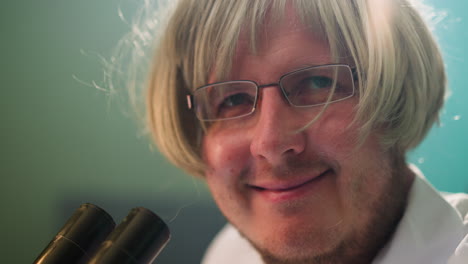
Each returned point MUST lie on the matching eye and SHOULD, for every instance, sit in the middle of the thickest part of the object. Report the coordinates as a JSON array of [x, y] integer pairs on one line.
[[237, 99], [318, 85], [310, 89], [315, 82], [235, 105]]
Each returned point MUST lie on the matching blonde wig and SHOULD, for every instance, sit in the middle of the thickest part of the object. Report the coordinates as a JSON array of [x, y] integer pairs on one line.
[[401, 76]]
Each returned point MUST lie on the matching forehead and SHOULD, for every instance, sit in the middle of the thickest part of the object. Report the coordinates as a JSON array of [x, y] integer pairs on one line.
[[266, 33], [280, 45], [273, 23]]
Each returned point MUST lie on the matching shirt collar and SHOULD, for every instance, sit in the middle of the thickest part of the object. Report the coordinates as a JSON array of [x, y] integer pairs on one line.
[[429, 231]]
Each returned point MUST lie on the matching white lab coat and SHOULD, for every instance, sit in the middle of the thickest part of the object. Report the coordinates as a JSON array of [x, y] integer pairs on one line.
[[433, 230]]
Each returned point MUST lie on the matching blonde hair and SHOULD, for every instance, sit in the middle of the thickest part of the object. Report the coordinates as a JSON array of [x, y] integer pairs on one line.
[[399, 66]]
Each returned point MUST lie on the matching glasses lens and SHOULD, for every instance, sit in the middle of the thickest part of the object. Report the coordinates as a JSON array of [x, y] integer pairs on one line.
[[225, 100], [318, 85]]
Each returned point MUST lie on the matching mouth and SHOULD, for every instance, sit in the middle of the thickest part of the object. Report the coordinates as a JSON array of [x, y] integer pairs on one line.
[[278, 192]]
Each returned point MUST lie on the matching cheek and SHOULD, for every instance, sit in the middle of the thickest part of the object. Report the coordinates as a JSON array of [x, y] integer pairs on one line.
[[335, 134], [364, 168], [358, 160], [225, 154]]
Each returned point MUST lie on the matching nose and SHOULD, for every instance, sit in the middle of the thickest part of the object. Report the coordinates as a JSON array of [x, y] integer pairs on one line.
[[276, 135]]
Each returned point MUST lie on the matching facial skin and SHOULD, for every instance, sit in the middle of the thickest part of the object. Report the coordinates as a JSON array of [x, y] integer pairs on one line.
[[312, 196]]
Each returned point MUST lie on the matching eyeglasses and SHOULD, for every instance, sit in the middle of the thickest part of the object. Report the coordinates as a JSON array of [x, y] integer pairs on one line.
[[307, 87]]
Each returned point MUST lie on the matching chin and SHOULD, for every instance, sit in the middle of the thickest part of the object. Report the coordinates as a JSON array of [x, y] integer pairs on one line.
[[290, 245]]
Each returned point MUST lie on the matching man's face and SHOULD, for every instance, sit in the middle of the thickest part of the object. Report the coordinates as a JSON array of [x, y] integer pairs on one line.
[[308, 195]]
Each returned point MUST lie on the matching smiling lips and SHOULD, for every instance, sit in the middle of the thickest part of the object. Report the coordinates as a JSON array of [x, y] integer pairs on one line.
[[279, 191]]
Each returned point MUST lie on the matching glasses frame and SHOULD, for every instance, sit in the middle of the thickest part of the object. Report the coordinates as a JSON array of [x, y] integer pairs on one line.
[[191, 101]]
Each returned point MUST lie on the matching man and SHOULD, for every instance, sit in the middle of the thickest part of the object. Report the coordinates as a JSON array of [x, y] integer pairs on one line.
[[299, 114]]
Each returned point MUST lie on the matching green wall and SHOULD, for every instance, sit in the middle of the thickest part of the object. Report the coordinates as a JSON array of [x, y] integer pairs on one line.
[[443, 155], [63, 143]]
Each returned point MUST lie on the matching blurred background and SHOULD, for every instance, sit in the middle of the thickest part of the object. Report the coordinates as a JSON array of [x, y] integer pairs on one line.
[[63, 142]]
